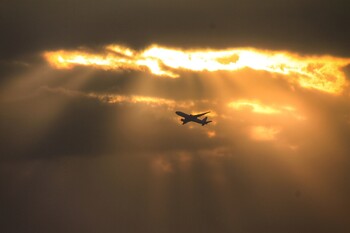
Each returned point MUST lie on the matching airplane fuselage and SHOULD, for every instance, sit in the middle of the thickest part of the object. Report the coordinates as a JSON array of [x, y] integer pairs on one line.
[[189, 117]]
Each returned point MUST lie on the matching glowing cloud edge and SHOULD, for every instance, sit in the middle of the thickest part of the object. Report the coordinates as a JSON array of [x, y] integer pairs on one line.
[[323, 73]]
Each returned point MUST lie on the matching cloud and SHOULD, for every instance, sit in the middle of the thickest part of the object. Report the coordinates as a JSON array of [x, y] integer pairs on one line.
[[117, 112], [307, 27], [318, 72], [256, 107], [263, 133], [123, 152], [94, 150], [122, 99]]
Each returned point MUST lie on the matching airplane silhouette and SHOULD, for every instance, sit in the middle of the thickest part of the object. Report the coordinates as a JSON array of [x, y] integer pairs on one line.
[[194, 118]]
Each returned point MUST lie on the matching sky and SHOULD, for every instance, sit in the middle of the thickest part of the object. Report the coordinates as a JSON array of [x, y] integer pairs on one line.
[[89, 138]]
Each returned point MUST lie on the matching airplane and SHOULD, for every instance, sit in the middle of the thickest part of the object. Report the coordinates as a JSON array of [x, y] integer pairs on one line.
[[189, 117]]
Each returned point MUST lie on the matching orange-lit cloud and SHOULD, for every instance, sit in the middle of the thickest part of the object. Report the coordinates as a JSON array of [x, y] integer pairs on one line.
[[256, 106], [151, 101], [162, 165], [211, 134], [133, 99], [263, 133], [317, 72]]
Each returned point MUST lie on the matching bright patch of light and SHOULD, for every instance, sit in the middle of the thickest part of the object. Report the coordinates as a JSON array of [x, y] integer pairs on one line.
[[322, 73], [257, 107], [211, 134], [263, 133], [254, 106]]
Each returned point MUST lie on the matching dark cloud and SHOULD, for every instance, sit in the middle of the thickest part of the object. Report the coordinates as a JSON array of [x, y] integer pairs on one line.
[[71, 161], [301, 26]]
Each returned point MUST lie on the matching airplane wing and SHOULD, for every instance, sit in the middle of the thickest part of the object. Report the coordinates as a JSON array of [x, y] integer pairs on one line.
[[200, 114]]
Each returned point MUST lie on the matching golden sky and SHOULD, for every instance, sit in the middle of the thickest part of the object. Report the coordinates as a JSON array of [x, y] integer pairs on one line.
[[90, 141]]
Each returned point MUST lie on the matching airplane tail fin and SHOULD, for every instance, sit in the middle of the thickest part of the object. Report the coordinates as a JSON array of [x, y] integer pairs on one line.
[[204, 121]]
